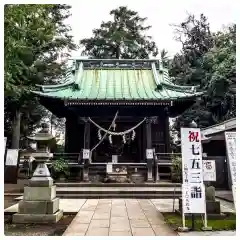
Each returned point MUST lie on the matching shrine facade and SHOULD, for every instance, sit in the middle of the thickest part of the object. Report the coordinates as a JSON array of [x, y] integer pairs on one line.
[[118, 111]]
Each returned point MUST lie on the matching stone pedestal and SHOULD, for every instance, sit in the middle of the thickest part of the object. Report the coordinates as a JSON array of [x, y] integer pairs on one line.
[[39, 204]]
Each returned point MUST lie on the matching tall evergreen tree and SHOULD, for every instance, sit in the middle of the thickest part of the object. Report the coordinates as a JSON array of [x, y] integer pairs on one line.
[[125, 36], [207, 60]]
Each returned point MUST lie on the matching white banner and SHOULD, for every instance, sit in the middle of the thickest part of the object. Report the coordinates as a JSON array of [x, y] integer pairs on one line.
[[193, 198], [5, 143], [231, 153], [209, 170], [86, 153], [12, 157], [234, 193], [192, 171]]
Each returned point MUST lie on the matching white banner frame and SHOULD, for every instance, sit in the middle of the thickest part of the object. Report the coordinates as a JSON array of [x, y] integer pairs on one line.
[[192, 172]]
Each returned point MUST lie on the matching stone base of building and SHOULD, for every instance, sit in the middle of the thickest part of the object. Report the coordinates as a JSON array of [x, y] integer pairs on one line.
[[37, 218]]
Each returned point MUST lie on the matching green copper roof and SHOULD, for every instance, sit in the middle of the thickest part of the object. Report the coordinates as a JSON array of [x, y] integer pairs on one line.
[[113, 80]]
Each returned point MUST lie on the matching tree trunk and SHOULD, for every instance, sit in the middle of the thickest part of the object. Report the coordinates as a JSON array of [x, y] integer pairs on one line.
[[16, 130]]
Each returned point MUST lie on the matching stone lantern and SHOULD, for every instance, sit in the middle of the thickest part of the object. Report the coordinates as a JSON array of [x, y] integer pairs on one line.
[[39, 204]]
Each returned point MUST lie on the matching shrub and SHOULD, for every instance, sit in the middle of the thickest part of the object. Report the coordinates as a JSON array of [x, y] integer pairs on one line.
[[176, 169]]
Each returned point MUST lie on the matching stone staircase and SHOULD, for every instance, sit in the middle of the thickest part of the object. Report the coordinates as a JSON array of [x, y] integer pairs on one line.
[[118, 190], [82, 190]]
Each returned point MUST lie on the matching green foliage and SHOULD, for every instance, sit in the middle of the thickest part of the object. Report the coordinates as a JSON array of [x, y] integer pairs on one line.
[[226, 223], [36, 44], [122, 37], [60, 166], [176, 169], [209, 60]]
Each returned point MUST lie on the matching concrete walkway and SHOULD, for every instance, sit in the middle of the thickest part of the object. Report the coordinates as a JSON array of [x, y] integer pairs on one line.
[[118, 217]]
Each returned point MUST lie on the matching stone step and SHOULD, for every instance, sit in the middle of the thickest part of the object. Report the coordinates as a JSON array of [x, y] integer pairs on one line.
[[82, 184], [122, 195]]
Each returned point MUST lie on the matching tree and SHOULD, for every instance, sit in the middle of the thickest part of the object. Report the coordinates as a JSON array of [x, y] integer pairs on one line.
[[164, 58], [35, 37], [122, 37], [207, 60], [220, 64]]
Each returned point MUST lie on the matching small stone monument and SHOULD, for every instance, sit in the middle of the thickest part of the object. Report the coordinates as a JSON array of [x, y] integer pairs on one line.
[[39, 204]]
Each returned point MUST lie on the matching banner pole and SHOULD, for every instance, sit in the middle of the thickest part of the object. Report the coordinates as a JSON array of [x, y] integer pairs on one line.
[[183, 220]]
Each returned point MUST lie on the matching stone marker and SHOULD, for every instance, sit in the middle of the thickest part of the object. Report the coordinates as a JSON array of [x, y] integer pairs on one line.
[[39, 204]]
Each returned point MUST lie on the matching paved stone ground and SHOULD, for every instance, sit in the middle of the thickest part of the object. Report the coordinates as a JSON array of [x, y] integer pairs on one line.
[[215, 233], [225, 195], [166, 205], [118, 217]]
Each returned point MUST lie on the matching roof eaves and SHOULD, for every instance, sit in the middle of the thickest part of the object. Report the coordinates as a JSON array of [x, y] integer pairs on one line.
[[155, 76]]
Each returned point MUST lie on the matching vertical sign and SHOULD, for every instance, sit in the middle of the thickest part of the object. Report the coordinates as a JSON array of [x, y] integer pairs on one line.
[[231, 152], [193, 191], [5, 143], [209, 170], [12, 157]]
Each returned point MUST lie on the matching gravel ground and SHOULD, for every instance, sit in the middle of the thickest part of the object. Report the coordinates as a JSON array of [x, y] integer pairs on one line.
[[56, 229]]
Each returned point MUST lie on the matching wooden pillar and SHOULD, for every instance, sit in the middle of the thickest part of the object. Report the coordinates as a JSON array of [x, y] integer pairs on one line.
[[86, 146], [149, 146], [167, 135], [66, 136]]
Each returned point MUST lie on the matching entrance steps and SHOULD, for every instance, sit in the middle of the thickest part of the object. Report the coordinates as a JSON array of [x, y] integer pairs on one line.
[[118, 190], [81, 190]]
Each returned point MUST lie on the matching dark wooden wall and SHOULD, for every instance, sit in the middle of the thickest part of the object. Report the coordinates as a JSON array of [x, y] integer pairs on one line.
[[74, 136]]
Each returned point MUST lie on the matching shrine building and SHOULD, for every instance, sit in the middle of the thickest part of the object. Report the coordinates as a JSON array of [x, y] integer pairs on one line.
[[118, 111]]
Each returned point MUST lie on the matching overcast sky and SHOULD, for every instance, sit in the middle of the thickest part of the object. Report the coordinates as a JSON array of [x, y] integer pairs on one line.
[[87, 15]]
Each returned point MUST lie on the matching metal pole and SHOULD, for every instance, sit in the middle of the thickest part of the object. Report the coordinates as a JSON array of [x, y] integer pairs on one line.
[[183, 220], [205, 219], [193, 222]]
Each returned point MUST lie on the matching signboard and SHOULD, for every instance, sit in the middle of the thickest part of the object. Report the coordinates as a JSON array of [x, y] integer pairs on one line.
[[5, 143], [86, 153], [12, 157], [193, 193], [193, 198], [234, 193], [209, 170], [149, 153], [109, 168], [231, 152]]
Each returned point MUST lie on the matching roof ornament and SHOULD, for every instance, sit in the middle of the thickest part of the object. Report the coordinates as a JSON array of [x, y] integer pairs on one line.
[[133, 64], [101, 64], [161, 68], [117, 64]]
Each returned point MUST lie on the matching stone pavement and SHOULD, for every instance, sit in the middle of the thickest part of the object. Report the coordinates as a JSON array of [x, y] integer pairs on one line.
[[215, 233], [118, 217], [225, 195]]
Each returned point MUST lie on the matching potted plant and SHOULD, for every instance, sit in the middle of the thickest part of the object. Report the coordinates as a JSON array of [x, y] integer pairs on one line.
[[60, 169]]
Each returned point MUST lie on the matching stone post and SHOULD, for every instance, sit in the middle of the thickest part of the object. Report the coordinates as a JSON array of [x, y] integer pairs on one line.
[[86, 153], [39, 204]]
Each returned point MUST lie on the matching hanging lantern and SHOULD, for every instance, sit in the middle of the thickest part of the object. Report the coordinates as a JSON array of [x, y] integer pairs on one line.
[[110, 139], [133, 135], [124, 139], [99, 134]]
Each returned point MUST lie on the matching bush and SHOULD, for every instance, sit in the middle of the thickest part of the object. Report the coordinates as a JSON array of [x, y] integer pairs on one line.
[[60, 167], [176, 169]]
